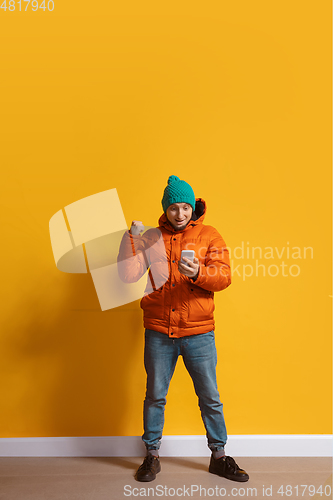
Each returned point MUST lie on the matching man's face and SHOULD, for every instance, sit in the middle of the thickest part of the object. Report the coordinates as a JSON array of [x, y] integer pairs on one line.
[[179, 214]]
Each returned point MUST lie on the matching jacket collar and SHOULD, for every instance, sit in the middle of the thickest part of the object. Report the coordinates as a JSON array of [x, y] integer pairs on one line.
[[197, 217]]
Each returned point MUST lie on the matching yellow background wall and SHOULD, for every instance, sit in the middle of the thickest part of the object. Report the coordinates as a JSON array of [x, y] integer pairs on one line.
[[233, 97]]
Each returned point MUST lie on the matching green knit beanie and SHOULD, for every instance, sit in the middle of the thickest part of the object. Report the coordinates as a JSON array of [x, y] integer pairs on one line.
[[177, 191]]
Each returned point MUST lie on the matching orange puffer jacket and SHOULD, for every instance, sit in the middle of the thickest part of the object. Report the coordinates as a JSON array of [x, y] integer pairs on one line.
[[173, 303]]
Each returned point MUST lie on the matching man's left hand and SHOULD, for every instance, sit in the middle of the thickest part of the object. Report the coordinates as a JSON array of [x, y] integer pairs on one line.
[[190, 269]]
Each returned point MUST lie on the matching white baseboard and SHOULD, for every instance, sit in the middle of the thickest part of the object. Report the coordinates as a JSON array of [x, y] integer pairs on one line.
[[270, 445]]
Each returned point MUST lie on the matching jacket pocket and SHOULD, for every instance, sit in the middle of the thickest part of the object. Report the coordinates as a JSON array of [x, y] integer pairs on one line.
[[153, 304], [200, 305]]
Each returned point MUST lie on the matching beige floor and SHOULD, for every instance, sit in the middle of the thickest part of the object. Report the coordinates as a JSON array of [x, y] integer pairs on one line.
[[99, 478]]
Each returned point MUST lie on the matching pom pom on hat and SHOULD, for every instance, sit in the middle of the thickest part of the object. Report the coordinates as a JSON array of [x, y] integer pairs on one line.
[[177, 191], [173, 178]]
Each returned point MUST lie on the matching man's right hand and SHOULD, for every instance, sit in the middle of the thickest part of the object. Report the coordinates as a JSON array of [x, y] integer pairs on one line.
[[137, 227]]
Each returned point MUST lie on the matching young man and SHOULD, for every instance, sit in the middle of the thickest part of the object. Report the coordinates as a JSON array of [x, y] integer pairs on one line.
[[179, 318]]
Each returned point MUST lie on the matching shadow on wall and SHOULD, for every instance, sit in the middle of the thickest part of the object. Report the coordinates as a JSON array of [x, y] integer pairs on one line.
[[72, 369]]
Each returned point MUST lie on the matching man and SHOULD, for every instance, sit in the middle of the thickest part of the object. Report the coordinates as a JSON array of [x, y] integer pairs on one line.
[[178, 310]]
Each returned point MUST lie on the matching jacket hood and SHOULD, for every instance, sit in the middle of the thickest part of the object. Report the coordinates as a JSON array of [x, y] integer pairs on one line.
[[197, 217]]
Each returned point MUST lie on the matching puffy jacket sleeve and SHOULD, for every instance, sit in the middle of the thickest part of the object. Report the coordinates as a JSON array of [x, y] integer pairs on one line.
[[215, 273], [132, 262]]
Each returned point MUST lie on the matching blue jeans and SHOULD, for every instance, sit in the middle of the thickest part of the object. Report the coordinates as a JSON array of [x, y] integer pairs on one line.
[[200, 358]]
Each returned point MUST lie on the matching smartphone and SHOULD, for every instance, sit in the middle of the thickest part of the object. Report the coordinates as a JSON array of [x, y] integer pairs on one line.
[[189, 254]]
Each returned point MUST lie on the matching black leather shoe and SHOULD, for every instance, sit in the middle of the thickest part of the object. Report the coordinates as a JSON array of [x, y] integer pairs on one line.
[[148, 469], [227, 467]]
